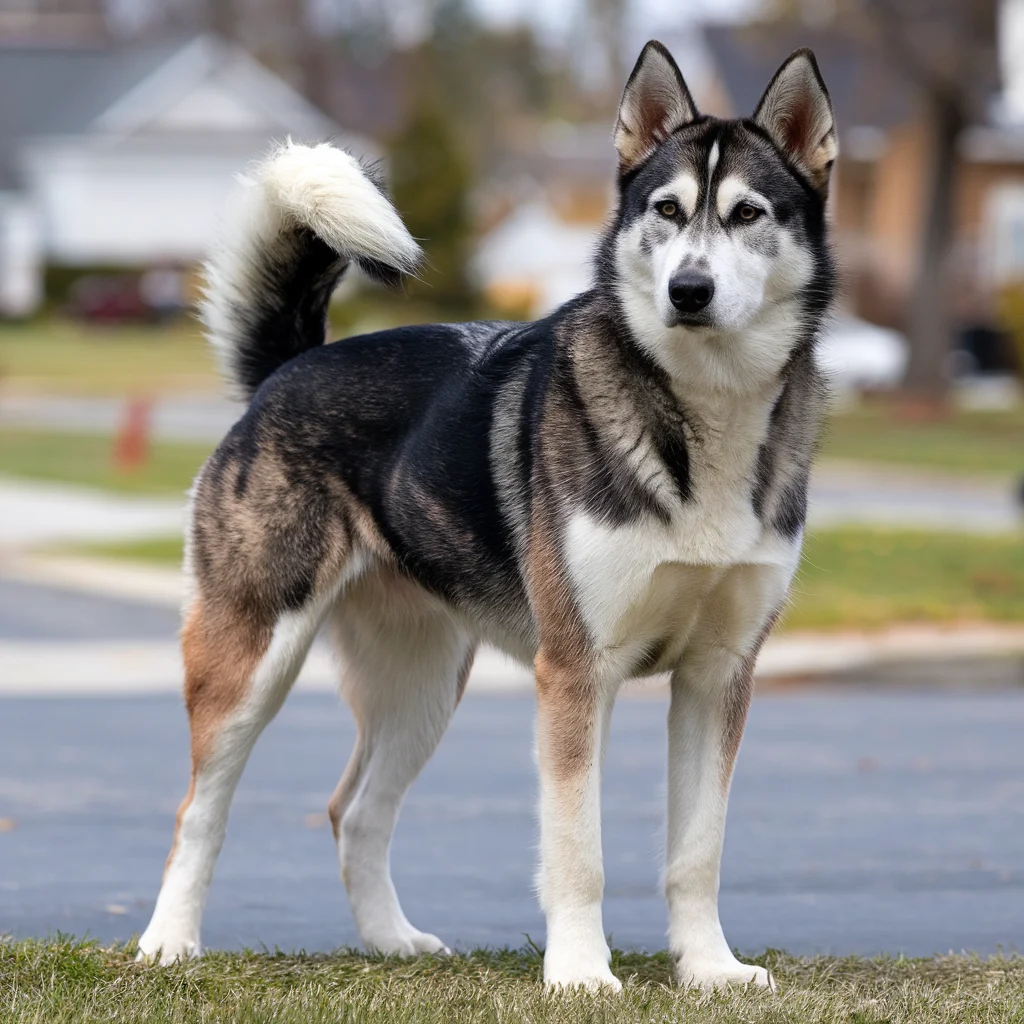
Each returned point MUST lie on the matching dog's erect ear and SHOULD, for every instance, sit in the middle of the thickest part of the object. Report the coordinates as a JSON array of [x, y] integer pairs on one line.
[[796, 112], [654, 104]]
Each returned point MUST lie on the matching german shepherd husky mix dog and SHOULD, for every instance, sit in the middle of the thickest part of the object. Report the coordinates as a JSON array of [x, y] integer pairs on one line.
[[614, 491]]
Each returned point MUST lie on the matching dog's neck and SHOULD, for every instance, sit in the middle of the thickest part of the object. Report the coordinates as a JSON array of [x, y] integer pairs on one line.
[[730, 419]]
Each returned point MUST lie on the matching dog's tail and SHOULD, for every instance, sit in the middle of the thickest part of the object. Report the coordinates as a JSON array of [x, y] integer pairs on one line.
[[303, 217]]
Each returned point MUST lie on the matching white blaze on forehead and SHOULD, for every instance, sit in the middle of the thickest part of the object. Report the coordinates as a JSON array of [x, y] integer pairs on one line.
[[732, 190], [684, 189], [713, 160]]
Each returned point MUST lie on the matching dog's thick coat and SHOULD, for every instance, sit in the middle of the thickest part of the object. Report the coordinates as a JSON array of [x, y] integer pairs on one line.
[[614, 491]]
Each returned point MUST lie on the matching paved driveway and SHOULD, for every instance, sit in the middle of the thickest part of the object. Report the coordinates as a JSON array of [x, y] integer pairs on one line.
[[861, 822]]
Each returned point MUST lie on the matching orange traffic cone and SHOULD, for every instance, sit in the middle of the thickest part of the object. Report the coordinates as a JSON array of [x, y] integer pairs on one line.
[[131, 445]]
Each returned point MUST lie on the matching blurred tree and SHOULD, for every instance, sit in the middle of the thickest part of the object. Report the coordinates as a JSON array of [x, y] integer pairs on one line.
[[606, 26], [430, 179], [947, 48], [947, 51]]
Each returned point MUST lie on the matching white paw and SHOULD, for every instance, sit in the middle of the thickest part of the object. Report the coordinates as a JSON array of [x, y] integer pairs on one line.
[[408, 942], [593, 981], [166, 947], [572, 970], [708, 975]]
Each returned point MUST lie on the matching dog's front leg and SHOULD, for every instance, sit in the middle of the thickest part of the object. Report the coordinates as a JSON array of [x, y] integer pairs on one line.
[[710, 696], [572, 716]]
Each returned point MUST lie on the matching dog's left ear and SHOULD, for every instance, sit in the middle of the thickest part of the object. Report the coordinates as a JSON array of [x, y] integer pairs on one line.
[[796, 112], [654, 104]]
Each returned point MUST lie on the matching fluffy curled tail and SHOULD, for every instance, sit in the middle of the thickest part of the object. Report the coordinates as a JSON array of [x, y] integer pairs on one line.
[[305, 214]]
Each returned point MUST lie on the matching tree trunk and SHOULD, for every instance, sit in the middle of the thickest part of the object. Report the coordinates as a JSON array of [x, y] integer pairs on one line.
[[930, 329]]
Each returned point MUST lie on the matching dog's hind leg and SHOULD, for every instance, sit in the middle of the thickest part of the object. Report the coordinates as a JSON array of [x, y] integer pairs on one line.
[[239, 668], [404, 669]]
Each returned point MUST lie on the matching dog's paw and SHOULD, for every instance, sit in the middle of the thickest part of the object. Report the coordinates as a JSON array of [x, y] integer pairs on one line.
[[708, 975], [408, 942], [166, 947], [574, 970], [593, 981]]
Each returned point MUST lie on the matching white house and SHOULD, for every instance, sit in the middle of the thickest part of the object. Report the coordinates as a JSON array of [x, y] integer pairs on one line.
[[536, 257], [125, 154]]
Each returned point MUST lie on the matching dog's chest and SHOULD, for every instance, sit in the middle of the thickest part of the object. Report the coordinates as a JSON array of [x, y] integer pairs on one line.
[[651, 579]]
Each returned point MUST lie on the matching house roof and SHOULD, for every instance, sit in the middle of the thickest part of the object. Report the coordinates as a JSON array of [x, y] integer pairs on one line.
[[866, 90], [117, 90], [62, 90]]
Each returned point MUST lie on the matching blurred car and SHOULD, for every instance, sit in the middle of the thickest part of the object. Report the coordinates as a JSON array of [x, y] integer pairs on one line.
[[858, 355], [107, 298], [152, 296]]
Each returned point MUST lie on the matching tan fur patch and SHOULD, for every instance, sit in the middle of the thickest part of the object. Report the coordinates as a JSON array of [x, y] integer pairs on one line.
[[221, 651], [178, 818], [566, 706], [560, 627], [737, 704], [564, 665], [342, 795], [221, 646]]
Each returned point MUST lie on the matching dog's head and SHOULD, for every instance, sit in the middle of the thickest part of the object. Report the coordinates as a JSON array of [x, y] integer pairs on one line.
[[720, 232]]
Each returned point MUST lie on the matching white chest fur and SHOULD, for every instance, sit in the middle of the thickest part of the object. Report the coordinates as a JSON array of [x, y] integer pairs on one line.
[[711, 571]]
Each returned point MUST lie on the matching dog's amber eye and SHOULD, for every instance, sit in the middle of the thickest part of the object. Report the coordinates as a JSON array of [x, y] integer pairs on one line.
[[667, 208], [747, 213]]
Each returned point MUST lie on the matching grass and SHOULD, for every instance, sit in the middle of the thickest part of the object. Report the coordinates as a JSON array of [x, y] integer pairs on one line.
[[62, 981], [851, 578], [868, 578], [969, 442], [63, 357], [87, 460]]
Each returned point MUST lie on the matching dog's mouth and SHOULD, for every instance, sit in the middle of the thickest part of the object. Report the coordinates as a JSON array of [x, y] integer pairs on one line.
[[699, 319]]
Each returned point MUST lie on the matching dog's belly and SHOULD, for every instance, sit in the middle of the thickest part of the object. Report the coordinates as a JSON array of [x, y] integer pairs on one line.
[[647, 591]]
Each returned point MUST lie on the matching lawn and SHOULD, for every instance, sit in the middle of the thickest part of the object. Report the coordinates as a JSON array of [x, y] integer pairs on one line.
[[969, 442], [63, 357], [867, 578], [87, 459], [850, 578], [62, 982]]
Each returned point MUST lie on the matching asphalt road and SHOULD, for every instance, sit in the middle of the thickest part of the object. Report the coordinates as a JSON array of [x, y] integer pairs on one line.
[[30, 611], [861, 822]]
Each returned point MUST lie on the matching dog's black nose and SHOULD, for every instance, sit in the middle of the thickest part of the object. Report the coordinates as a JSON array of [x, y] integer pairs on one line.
[[690, 291]]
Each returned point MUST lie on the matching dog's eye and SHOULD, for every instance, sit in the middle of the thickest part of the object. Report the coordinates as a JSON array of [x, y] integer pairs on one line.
[[667, 208], [747, 213]]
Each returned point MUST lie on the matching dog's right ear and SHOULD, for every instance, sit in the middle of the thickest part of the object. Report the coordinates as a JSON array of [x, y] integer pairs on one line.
[[654, 104]]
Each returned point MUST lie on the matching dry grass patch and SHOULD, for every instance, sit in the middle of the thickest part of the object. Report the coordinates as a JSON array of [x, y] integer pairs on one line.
[[68, 358], [63, 981]]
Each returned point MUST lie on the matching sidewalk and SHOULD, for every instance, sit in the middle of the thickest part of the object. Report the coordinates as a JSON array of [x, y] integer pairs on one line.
[[35, 513], [198, 418], [857, 493], [129, 665]]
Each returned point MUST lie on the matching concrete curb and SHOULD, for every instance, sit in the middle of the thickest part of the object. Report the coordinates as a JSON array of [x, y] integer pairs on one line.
[[123, 667]]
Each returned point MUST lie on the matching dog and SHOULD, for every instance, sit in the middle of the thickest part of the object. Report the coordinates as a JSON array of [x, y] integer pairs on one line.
[[616, 490]]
